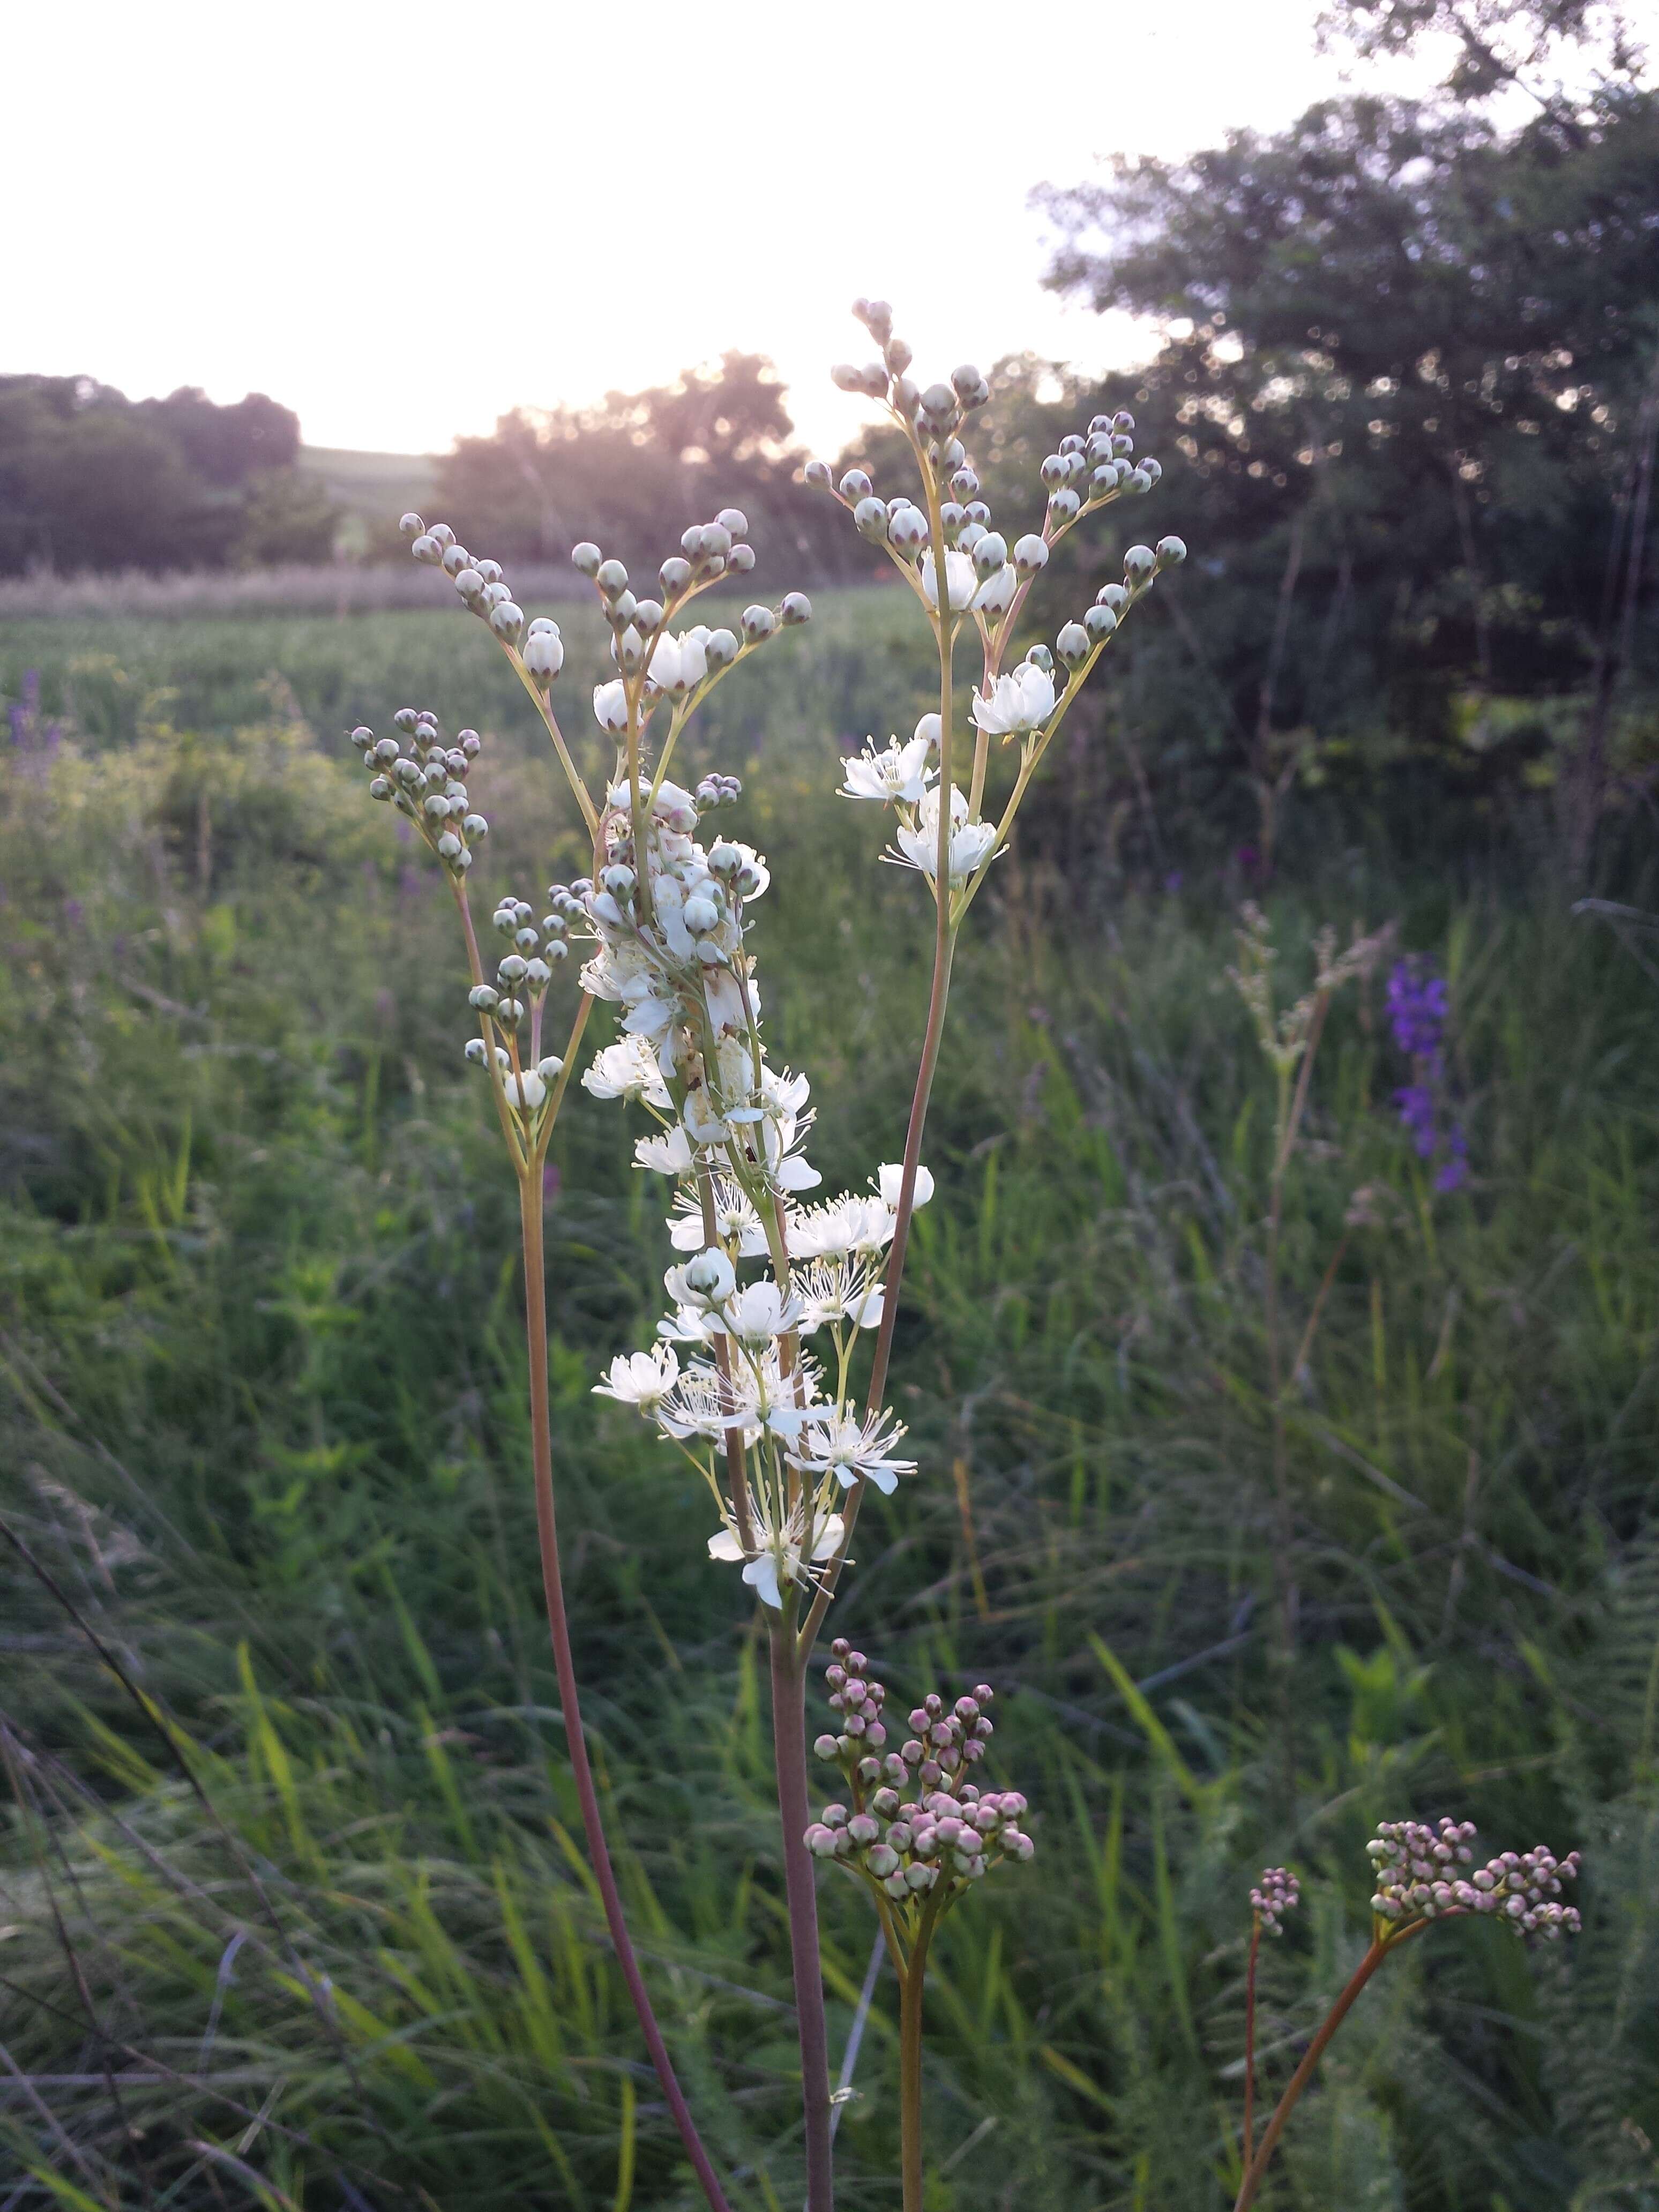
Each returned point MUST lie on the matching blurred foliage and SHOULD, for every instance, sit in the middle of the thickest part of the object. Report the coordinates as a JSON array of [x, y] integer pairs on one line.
[[261, 1412]]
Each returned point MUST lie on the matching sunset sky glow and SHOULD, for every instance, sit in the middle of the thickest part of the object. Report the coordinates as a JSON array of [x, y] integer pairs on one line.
[[403, 221]]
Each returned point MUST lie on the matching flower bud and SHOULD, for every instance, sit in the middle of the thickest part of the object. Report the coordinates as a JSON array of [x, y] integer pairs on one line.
[[709, 1280], [449, 845], [1040, 656], [586, 557], [456, 557], [733, 521], [855, 485], [674, 574], [1169, 552], [1137, 481], [550, 1067], [1099, 623], [508, 622], [740, 561], [1139, 564], [1053, 473], [989, 553], [482, 998], [544, 655], [870, 520], [759, 624], [411, 526], [380, 787], [797, 608], [471, 586], [611, 577], [826, 1747], [1073, 644], [721, 648], [1030, 555], [427, 549], [817, 474], [1064, 506]]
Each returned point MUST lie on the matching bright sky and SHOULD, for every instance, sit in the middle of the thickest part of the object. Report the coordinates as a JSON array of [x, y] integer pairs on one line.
[[401, 220]]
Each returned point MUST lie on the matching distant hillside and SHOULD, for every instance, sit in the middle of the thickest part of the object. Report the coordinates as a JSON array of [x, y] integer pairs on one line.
[[371, 489]]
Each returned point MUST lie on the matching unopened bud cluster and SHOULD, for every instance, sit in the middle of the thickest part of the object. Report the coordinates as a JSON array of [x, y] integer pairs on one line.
[[522, 976], [917, 1827], [422, 773], [662, 664], [485, 593], [1277, 1892], [1417, 1878]]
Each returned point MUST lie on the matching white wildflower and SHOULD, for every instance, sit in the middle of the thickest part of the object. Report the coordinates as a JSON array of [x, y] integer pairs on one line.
[[611, 704], [892, 1182], [1017, 702], [640, 1379], [852, 1450], [970, 841], [960, 580], [898, 772]]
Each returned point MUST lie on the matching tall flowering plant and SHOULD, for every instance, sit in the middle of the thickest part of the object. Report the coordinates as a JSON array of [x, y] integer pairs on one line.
[[768, 1369]]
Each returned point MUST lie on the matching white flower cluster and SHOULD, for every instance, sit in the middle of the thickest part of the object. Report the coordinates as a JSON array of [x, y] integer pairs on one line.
[[986, 582], [774, 1430]]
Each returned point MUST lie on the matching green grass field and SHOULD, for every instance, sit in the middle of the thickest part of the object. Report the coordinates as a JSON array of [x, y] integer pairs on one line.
[[262, 1409]]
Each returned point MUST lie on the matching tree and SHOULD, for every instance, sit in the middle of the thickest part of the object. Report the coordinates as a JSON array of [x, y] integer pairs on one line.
[[715, 437], [1406, 374]]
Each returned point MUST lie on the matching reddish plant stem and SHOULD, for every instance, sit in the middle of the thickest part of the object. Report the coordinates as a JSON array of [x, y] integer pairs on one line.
[[789, 1754], [535, 1309], [912, 1982], [1305, 2073], [1249, 2040]]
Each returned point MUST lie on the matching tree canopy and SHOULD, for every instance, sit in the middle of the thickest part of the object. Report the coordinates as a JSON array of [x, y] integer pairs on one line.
[[91, 480]]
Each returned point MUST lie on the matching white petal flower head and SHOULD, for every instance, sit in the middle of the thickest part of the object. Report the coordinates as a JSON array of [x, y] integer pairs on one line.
[[853, 1451], [997, 593], [610, 705], [898, 772], [892, 1182], [780, 1559], [664, 673], [1017, 702], [668, 1154], [970, 841], [735, 1221], [640, 1379], [960, 580], [839, 1290], [847, 1224], [759, 1313], [525, 1090], [627, 1069], [705, 1283], [680, 664], [703, 1402]]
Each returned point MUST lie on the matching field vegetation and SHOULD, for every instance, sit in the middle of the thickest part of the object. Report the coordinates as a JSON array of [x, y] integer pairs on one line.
[[292, 1910]]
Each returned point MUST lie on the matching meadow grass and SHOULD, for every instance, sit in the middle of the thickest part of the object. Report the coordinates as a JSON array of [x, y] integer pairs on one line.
[[292, 1913]]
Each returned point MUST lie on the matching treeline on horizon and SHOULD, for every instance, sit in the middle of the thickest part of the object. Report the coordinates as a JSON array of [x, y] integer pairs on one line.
[[91, 480]]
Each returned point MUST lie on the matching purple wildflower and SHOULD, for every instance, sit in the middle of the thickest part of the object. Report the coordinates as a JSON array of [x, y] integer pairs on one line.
[[1417, 1017]]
